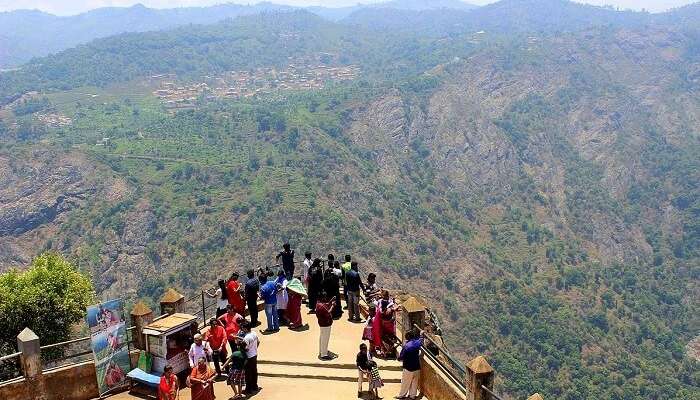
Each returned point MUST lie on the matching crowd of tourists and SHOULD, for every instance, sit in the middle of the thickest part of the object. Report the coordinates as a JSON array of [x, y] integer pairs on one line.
[[231, 343]]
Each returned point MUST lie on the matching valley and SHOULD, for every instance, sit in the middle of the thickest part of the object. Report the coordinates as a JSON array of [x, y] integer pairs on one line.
[[542, 189]]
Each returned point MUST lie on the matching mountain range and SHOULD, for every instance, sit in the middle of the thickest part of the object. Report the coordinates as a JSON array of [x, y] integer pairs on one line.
[[25, 34], [29, 33], [533, 173]]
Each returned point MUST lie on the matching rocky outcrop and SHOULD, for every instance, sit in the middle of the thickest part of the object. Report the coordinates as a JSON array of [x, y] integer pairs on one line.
[[36, 193], [382, 128]]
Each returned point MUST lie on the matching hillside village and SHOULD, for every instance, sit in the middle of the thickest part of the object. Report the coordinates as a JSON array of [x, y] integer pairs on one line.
[[54, 120], [299, 74]]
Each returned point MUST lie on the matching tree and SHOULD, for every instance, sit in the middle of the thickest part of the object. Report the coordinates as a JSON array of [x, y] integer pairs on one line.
[[48, 298]]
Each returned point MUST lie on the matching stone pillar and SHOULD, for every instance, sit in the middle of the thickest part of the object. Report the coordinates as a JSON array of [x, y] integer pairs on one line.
[[172, 302], [535, 396], [30, 359], [479, 373], [413, 314], [141, 315]]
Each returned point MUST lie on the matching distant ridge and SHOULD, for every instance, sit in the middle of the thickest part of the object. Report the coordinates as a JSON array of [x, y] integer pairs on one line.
[[508, 16], [25, 34]]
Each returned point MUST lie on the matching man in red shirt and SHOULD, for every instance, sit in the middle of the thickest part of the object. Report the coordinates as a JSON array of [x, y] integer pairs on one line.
[[216, 336], [233, 293], [325, 321], [231, 324]]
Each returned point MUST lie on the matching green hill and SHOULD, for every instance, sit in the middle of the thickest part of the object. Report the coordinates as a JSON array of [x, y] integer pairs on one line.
[[539, 189]]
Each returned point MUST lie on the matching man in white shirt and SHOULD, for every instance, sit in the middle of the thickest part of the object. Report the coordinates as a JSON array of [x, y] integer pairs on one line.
[[252, 341], [199, 349], [305, 270]]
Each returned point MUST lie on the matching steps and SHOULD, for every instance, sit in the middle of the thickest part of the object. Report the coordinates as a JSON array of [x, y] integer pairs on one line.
[[321, 364], [321, 371]]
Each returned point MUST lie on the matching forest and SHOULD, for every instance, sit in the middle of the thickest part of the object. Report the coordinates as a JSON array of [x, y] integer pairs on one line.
[[528, 183]]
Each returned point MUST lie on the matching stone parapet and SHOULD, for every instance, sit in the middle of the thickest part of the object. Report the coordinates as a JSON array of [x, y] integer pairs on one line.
[[434, 385]]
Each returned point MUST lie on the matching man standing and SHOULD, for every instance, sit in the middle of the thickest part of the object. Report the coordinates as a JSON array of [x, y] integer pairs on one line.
[[353, 284], [252, 286], [287, 256], [410, 357], [325, 321], [315, 284], [305, 271], [252, 342], [331, 285], [345, 267], [268, 292], [199, 349]]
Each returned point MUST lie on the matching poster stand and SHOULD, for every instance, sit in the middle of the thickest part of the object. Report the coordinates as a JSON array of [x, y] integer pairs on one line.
[[110, 345]]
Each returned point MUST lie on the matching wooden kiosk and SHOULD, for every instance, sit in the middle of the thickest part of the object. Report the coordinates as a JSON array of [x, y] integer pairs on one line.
[[168, 340]]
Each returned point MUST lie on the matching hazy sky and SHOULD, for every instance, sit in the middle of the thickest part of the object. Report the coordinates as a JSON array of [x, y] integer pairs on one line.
[[67, 7]]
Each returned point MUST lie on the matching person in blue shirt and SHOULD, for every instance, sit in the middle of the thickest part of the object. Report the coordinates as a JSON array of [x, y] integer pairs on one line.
[[268, 292], [410, 358]]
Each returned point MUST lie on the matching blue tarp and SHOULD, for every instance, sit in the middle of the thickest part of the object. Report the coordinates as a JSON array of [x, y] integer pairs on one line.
[[144, 377]]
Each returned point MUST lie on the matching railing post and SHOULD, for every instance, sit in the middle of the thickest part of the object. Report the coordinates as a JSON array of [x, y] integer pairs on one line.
[[141, 315], [28, 345], [30, 359], [204, 311], [479, 372], [413, 314], [172, 302]]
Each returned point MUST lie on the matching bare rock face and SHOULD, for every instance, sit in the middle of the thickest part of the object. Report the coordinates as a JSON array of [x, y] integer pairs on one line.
[[139, 229], [36, 193], [382, 128]]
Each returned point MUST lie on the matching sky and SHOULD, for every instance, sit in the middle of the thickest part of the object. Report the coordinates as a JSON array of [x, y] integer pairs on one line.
[[70, 7]]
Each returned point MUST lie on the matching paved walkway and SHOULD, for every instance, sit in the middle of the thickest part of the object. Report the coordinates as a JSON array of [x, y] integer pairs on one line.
[[289, 367]]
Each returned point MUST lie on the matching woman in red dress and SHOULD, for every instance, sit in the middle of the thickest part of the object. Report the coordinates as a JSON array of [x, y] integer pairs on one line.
[[234, 294], [296, 292], [169, 386]]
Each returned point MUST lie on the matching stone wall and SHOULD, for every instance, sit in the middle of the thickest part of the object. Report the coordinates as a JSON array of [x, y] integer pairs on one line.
[[74, 382], [435, 385]]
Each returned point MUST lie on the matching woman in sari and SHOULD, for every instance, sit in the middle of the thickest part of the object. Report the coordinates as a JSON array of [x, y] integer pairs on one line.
[[295, 292], [169, 386], [202, 381], [384, 325]]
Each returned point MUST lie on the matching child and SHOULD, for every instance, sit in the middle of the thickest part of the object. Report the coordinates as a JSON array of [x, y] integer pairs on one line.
[[367, 334], [375, 381], [364, 368], [237, 375]]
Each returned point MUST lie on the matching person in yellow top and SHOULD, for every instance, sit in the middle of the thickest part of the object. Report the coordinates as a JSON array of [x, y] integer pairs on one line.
[[345, 267]]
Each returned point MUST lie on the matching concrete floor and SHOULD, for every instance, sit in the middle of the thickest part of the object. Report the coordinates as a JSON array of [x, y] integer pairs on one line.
[[290, 368]]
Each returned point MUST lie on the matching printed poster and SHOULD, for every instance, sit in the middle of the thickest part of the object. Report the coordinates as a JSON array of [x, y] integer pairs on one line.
[[109, 343]]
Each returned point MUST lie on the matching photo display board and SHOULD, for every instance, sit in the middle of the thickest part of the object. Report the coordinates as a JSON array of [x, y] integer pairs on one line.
[[109, 343]]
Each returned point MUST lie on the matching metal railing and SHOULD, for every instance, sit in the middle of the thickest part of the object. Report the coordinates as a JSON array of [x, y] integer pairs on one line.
[[10, 367], [492, 394], [69, 352], [453, 369], [10, 356]]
